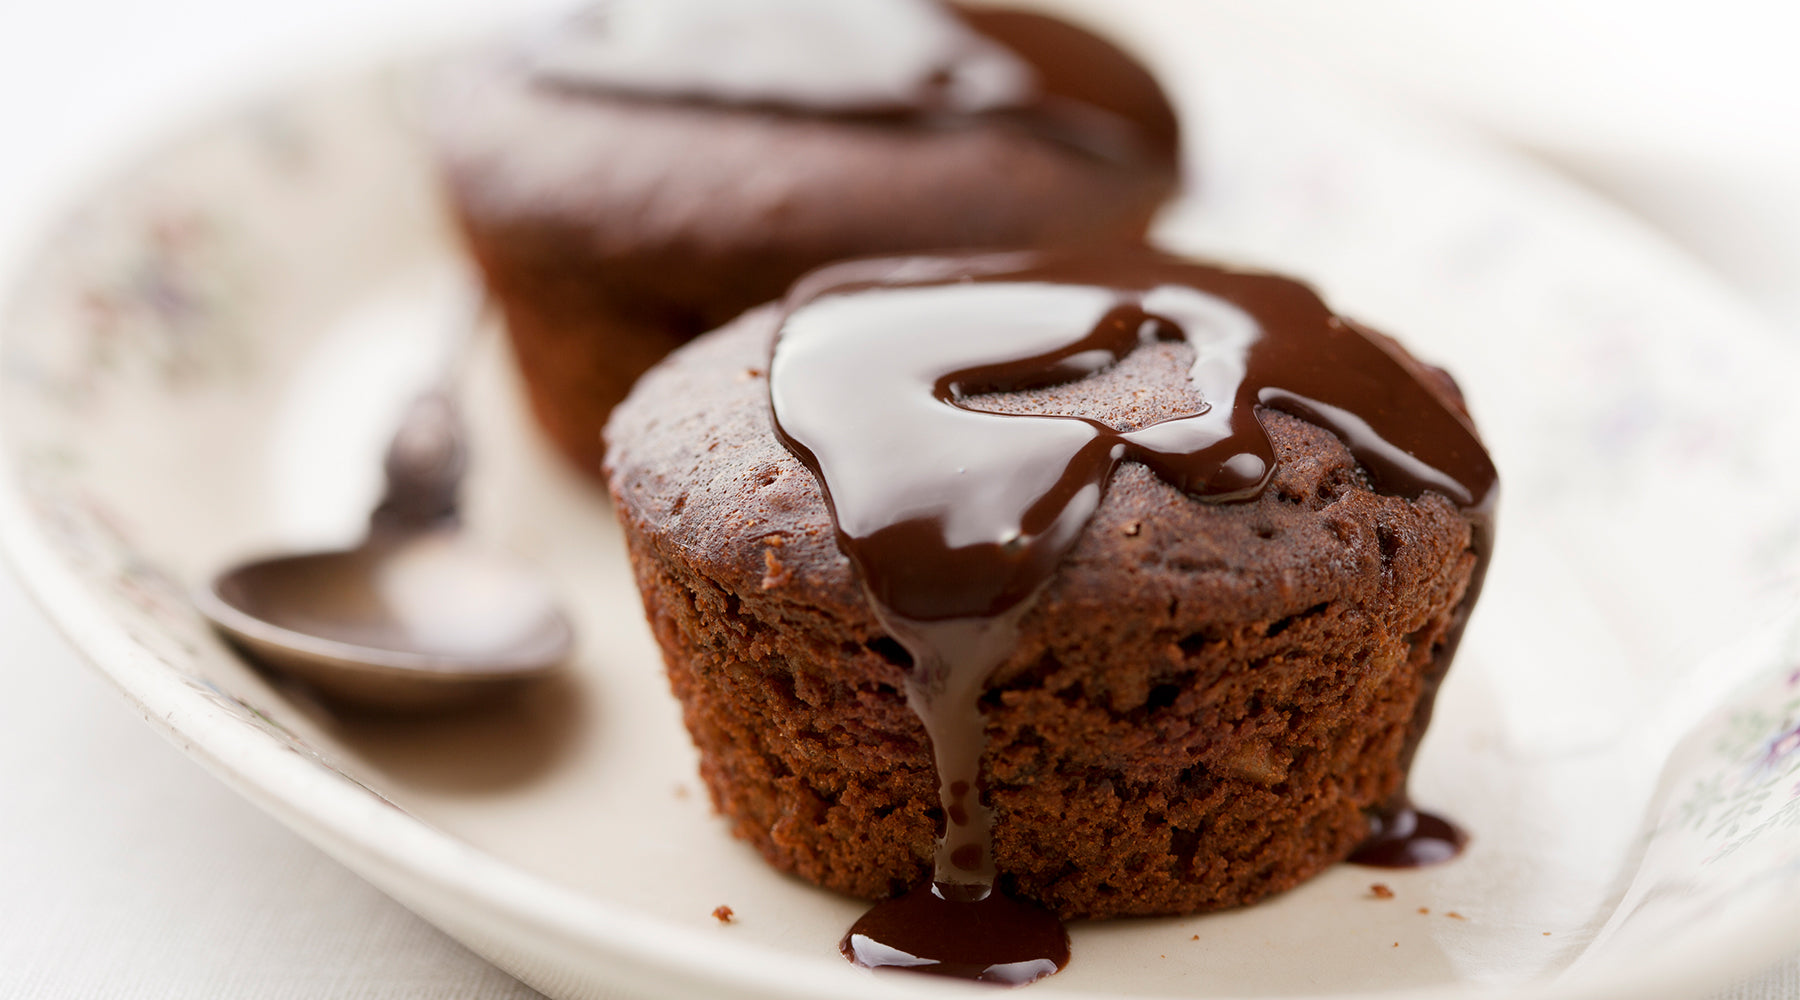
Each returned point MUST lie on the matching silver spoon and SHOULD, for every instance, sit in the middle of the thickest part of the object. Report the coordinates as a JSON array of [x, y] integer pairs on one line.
[[417, 617]]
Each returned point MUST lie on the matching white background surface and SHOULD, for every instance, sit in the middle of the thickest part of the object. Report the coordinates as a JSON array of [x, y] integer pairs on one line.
[[126, 871]]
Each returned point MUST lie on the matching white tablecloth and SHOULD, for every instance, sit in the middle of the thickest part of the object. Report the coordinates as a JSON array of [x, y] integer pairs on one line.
[[126, 871]]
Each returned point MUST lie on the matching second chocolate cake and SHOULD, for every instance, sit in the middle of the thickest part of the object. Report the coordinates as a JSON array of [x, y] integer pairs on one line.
[[648, 169]]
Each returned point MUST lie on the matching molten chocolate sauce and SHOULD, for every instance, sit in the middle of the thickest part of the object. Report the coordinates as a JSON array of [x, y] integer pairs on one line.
[[991, 937], [955, 517], [917, 60]]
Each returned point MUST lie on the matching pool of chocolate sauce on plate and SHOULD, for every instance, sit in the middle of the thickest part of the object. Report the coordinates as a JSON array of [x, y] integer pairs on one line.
[[955, 517]]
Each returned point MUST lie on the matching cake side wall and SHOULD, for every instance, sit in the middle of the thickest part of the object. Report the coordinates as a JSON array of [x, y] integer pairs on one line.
[[1243, 768]]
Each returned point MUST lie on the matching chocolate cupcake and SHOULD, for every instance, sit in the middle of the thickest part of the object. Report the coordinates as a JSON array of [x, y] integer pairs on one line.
[[1119, 584], [649, 169]]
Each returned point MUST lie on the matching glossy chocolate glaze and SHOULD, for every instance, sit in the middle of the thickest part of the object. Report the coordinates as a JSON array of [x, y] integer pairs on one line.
[[955, 517], [916, 60]]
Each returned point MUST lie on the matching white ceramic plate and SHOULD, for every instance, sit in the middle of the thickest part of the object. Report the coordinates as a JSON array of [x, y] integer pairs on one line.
[[202, 360]]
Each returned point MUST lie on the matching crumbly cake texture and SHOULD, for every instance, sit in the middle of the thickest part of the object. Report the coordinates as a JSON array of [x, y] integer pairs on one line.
[[611, 229], [1203, 702]]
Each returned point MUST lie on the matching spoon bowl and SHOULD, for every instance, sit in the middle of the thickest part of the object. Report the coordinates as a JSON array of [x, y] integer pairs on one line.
[[417, 617], [414, 622]]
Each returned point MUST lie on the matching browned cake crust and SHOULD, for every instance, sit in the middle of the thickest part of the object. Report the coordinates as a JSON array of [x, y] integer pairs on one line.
[[1205, 699], [612, 229]]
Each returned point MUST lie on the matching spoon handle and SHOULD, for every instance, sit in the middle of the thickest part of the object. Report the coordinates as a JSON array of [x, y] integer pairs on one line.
[[429, 453], [425, 464]]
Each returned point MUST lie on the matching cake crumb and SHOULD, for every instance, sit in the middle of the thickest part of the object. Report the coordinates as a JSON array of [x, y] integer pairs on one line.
[[749, 374], [1396, 944], [1133, 527], [1453, 915], [1381, 891], [1197, 937], [1546, 933], [1424, 909], [723, 914], [775, 572], [681, 791]]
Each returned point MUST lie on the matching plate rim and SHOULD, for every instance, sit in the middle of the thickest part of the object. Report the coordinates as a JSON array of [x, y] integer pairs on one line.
[[336, 814]]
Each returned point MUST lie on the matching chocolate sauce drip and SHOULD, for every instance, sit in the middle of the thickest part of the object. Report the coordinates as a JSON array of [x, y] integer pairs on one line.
[[955, 517], [917, 60], [1400, 834], [1403, 836]]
